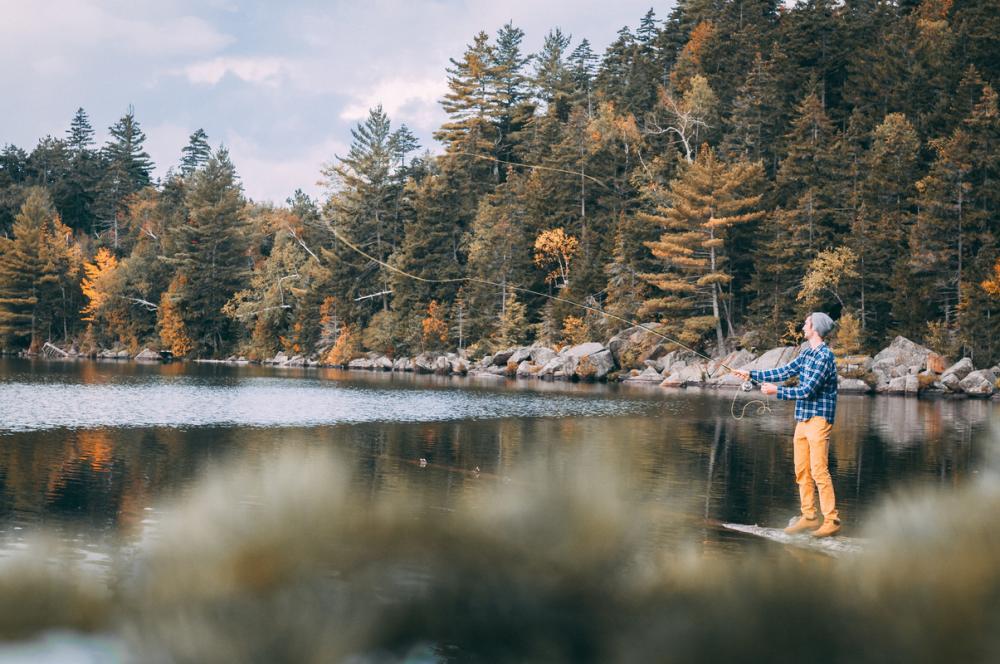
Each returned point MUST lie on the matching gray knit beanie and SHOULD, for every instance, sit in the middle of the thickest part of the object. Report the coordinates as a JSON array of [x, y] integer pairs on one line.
[[821, 323]]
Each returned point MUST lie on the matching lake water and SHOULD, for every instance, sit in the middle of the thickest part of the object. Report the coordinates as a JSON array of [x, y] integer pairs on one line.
[[90, 449]]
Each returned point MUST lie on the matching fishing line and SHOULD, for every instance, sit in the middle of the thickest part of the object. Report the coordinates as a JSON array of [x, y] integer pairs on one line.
[[746, 386]]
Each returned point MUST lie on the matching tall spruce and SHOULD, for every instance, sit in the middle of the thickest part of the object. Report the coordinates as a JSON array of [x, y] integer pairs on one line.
[[211, 261], [196, 153], [128, 169]]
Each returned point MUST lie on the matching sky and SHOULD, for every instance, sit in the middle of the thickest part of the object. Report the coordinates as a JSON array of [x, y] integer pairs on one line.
[[280, 84]]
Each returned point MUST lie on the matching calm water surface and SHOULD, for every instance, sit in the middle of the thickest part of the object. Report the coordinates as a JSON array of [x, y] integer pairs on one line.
[[90, 449]]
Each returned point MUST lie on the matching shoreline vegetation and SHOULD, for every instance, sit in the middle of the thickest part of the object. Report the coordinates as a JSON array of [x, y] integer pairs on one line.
[[637, 357], [719, 173]]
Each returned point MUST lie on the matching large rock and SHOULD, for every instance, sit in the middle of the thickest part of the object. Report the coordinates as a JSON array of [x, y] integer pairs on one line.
[[148, 355], [382, 363], [853, 386], [908, 385], [649, 376], [595, 366], [773, 358], [501, 357], [424, 363], [402, 364], [527, 369], [634, 345], [359, 363], [458, 365], [902, 353], [560, 366], [980, 383], [582, 350], [692, 374], [719, 369], [280, 358], [442, 365], [959, 370], [540, 355], [520, 355]]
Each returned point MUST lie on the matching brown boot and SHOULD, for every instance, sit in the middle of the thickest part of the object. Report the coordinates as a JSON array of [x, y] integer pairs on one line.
[[829, 527], [802, 524]]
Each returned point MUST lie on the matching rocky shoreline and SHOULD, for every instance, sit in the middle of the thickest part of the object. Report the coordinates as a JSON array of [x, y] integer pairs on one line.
[[635, 356]]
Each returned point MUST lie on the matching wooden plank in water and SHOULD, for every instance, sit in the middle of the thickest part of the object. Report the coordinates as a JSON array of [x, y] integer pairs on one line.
[[833, 546]]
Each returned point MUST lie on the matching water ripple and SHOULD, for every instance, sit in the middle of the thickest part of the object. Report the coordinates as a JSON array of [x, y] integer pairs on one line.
[[263, 403]]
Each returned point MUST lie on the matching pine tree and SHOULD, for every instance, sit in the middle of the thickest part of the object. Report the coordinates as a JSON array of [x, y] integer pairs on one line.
[[553, 80], [196, 153], [811, 190], [80, 135], [362, 209], [583, 66], [880, 231], [128, 170], [39, 276], [211, 261], [703, 204]]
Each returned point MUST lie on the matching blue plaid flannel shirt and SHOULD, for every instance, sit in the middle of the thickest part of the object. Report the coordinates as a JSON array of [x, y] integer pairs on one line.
[[817, 390]]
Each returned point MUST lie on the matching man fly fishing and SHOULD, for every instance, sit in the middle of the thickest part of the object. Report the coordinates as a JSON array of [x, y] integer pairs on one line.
[[815, 405]]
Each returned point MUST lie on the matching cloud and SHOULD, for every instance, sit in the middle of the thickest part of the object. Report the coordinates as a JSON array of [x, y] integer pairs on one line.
[[264, 70], [409, 100], [75, 27], [267, 176]]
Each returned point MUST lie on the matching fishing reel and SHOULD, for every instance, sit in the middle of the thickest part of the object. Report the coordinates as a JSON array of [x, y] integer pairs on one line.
[[747, 386]]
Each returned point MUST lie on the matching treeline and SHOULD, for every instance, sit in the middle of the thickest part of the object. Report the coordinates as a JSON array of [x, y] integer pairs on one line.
[[721, 172]]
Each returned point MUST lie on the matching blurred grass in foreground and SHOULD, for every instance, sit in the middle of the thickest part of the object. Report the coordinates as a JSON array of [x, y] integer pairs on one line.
[[282, 561]]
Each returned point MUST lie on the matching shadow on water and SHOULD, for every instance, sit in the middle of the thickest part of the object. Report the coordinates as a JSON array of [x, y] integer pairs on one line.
[[565, 537]]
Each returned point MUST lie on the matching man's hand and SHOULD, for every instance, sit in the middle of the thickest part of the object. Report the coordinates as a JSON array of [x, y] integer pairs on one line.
[[769, 389], [742, 375]]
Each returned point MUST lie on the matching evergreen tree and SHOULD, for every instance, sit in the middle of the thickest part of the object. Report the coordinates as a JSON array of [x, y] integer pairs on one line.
[[80, 135], [196, 153], [702, 205], [553, 80], [127, 171], [39, 276], [881, 229], [211, 261]]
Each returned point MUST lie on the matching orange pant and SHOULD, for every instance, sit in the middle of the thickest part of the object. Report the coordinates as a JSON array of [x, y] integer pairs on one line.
[[812, 444]]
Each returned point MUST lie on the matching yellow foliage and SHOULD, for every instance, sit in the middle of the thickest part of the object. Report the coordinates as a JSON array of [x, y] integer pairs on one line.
[[173, 331], [96, 281], [434, 327], [992, 286], [555, 246], [848, 341], [825, 273], [346, 349], [575, 330]]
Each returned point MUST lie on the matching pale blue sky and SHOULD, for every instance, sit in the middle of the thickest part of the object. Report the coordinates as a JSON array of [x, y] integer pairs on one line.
[[280, 83]]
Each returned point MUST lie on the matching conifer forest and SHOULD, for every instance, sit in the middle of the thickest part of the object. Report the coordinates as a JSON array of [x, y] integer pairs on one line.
[[718, 171]]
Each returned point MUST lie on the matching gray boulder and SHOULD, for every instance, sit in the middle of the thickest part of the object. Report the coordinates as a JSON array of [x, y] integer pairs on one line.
[[458, 365], [501, 357], [775, 357], [853, 386], [908, 385], [527, 369], [540, 355], [692, 374], [649, 376], [959, 370], [520, 355], [595, 366], [382, 363], [442, 365], [424, 363], [901, 353], [560, 366], [148, 355], [402, 364], [980, 383], [637, 343]]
